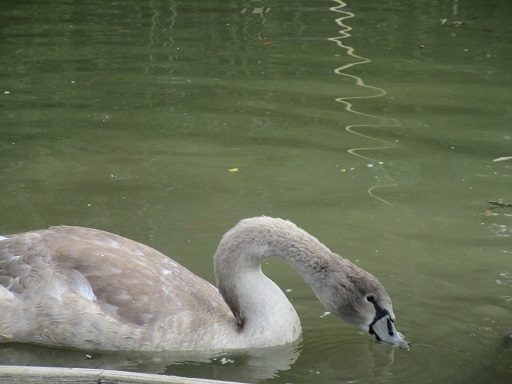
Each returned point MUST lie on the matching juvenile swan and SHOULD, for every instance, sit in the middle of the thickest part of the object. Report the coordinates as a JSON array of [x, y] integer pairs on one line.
[[84, 288]]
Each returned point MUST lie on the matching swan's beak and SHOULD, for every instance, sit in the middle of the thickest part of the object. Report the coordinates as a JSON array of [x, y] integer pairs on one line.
[[384, 330]]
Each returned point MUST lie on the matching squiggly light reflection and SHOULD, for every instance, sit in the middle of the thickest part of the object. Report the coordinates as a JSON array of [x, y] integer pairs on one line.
[[378, 92]]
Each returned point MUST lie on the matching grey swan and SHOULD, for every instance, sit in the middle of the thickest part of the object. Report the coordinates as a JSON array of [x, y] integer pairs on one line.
[[89, 289]]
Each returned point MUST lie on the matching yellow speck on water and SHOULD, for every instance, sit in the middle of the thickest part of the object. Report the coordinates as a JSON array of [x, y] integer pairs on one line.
[[233, 169]]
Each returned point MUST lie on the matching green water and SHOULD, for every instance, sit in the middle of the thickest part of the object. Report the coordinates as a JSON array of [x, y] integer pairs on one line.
[[374, 126]]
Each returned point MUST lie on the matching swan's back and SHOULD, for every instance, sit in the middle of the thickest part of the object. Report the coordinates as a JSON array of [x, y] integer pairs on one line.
[[90, 283]]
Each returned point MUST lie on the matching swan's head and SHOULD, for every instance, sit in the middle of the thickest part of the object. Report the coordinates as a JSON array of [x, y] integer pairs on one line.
[[359, 298]]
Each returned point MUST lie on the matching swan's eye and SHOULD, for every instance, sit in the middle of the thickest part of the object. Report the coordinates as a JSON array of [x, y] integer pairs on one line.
[[370, 298]]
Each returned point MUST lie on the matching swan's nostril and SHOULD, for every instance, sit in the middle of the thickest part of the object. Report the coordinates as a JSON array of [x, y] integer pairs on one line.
[[390, 327]]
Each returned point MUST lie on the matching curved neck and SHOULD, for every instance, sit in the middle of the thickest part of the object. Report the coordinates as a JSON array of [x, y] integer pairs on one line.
[[260, 307]]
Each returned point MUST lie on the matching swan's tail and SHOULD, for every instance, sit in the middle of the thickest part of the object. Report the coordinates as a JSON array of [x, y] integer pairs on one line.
[[11, 318]]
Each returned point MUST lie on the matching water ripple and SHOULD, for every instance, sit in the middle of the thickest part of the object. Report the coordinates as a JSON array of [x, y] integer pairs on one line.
[[377, 92]]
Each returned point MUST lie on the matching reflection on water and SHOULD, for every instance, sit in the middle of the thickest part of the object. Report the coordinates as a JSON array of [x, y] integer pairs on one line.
[[246, 366], [499, 223], [128, 116], [383, 178]]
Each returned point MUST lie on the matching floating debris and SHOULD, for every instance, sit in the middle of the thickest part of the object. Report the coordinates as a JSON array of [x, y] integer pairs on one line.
[[503, 158], [500, 204]]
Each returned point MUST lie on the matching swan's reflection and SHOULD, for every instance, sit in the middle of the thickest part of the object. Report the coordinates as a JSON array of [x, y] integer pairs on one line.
[[243, 365]]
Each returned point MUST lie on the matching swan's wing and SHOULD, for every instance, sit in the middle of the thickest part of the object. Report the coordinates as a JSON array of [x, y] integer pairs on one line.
[[127, 280]]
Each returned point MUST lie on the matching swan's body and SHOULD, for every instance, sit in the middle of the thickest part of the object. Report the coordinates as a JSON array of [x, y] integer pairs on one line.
[[89, 289]]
